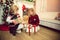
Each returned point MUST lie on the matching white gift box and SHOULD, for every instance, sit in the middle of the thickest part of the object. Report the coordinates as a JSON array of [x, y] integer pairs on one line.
[[37, 28], [27, 28], [20, 26]]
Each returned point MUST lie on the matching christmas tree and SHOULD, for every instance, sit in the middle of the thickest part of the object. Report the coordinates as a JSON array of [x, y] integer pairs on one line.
[[1, 2], [6, 9]]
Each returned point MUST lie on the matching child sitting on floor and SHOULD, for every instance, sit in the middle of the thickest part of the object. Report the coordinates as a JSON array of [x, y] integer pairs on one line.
[[14, 20], [33, 21]]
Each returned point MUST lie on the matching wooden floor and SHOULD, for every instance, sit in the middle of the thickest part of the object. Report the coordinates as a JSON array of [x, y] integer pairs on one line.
[[43, 34]]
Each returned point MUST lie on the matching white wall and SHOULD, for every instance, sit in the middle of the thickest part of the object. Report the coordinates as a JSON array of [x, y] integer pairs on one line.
[[41, 9], [41, 6], [48, 15]]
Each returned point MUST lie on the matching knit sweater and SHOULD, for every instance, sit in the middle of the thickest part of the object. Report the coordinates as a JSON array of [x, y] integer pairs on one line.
[[34, 20]]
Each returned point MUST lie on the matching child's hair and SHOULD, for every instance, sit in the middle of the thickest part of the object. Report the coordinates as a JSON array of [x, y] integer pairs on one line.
[[32, 10], [14, 8]]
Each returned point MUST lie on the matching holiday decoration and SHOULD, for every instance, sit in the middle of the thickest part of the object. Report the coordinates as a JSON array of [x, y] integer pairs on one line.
[[1, 2], [23, 7], [32, 29], [29, 0], [6, 9]]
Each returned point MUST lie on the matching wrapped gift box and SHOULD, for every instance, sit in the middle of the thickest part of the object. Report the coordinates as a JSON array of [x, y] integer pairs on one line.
[[32, 28]]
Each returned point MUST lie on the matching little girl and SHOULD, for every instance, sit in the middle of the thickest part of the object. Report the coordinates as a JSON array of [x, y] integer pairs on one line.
[[14, 20], [33, 20]]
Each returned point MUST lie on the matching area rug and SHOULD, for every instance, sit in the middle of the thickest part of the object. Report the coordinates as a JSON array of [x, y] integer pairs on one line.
[[4, 27]]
